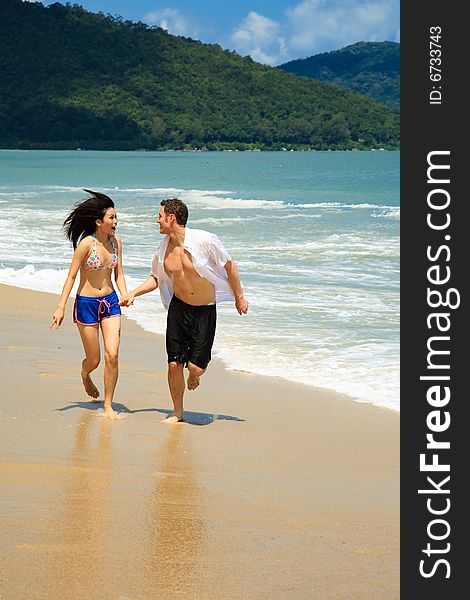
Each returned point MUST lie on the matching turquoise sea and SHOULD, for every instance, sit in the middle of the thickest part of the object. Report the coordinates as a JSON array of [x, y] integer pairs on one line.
[[315, 236]]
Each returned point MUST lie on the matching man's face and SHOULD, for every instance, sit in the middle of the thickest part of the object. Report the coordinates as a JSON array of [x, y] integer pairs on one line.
[[165, 220]]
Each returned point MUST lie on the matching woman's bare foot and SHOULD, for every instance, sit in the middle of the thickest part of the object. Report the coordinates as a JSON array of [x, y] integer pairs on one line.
[[193, 381], [108, 412], [90, 387], [173, 419]]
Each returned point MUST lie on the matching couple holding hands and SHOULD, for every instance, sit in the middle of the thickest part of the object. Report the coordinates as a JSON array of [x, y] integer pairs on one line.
[[192, 270]]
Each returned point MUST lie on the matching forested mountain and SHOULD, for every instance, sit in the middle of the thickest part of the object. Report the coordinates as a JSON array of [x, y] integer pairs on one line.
[[71, 78], [371, 68]]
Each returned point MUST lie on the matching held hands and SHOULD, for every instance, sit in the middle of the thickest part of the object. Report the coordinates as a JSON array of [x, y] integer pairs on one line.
[[57, 318], [241, 304], [127, 300]]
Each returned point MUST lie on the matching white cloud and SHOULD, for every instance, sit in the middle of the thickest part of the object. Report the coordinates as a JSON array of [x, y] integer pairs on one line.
[[173, 21], [314, 26], [256, 28], [259, 37], [321, 25]]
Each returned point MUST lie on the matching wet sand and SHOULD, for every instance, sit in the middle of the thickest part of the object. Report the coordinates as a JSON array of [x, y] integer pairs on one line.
[[269, 490]]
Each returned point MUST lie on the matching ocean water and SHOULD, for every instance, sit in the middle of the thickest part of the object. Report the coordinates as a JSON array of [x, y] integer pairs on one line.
[[315, 236]]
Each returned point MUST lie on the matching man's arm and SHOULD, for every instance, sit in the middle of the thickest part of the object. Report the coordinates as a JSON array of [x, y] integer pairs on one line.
[[149, 285], [241, 304]]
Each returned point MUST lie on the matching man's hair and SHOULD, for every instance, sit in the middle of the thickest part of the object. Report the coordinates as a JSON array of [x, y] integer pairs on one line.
[[174, 206]]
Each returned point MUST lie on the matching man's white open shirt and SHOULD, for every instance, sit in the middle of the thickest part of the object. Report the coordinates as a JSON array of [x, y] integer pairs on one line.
[[209, 258]]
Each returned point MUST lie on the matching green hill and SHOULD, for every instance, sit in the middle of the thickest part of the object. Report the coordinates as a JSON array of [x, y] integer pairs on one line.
[[71, 78], [371, 68]]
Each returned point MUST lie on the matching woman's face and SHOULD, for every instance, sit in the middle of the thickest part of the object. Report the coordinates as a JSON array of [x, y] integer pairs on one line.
[[109, 222]]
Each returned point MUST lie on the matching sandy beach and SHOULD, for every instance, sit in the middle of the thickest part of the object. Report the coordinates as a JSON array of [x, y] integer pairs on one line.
[[269, 490]]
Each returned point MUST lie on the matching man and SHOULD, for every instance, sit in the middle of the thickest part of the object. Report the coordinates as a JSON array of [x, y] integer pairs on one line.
[[193, 272]]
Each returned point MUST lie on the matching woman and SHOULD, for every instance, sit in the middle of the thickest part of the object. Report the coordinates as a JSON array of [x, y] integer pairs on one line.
[[91, 228]]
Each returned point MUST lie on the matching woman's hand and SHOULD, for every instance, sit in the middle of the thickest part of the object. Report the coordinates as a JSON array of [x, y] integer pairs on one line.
[[127, 300], [57, 318]]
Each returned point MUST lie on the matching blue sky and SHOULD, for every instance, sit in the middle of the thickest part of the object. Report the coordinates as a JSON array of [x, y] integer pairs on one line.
[[270, 31]]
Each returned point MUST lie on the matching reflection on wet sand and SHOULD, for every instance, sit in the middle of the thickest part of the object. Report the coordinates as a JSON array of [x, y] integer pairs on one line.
[[110, 523], [176, 530], [87, 501], [77, 535]]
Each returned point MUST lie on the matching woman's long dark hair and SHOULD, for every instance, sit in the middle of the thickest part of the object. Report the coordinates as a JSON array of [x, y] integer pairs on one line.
[[82, 220]]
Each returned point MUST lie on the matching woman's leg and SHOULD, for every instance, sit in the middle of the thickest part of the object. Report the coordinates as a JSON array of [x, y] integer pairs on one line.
[[111, 330], [91, 346]]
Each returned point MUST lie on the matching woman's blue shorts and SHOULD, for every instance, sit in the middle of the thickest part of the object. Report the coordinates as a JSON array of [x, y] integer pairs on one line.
[[90, 311]]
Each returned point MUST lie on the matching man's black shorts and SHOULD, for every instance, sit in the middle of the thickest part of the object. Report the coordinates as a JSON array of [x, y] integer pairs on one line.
[[190, 332]]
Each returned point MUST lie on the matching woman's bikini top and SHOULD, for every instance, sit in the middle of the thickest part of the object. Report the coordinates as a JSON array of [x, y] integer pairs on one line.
[[93, 263]]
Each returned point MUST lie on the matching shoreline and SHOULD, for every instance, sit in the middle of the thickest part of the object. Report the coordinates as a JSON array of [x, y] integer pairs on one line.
[[225, 366], [380, 149], [269, 489]]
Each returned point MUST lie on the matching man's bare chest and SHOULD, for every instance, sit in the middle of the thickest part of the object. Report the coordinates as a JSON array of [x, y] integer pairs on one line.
[[179, 262]]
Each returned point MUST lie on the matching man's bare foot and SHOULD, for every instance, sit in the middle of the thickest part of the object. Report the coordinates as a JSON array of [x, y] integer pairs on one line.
[[193, 381], [90, 387], [110, 414], [173, 419]]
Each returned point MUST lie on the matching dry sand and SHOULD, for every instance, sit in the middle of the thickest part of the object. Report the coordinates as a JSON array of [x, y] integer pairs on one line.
[[271, 490]]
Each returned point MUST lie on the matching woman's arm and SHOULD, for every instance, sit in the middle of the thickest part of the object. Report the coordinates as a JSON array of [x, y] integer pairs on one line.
[[81, 252], [119, 271]]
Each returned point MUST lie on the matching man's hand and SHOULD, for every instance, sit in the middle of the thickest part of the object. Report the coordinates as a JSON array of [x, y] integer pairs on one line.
[[234, 280], [127, 300], [241, 304]]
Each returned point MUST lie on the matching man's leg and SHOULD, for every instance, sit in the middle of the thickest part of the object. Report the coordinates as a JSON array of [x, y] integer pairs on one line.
[[203, 334], [176, 385]]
